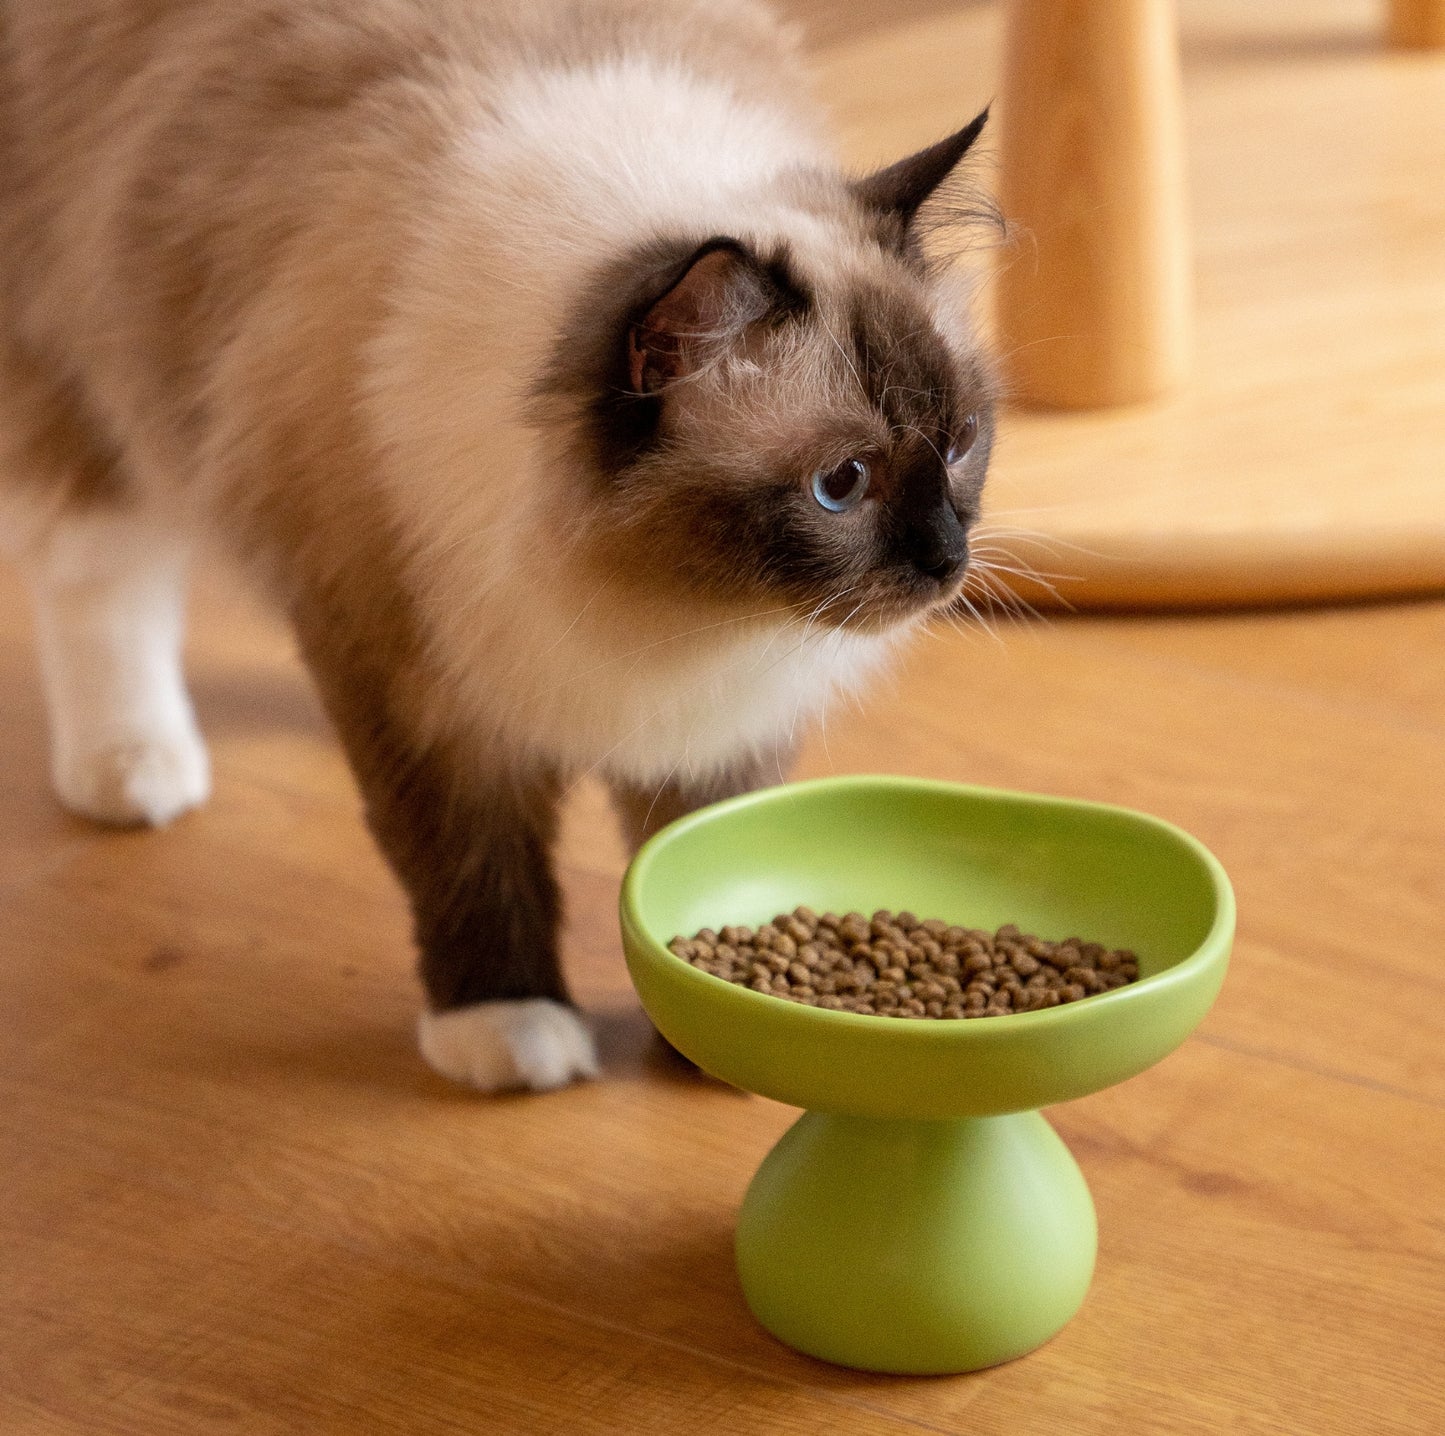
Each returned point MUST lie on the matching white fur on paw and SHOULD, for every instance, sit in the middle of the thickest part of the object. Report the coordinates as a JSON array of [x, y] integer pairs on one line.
[[135, 781], [536, 1044]]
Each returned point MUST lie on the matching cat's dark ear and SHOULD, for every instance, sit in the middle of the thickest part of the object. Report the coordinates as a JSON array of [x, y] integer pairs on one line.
[[718, 291], [894, 195]]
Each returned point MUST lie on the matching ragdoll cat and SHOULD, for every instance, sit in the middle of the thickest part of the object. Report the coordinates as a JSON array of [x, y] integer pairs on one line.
[[540, 362]]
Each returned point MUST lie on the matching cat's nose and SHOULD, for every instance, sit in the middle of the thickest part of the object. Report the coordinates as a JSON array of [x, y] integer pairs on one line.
[[942, 569], [940, 545]]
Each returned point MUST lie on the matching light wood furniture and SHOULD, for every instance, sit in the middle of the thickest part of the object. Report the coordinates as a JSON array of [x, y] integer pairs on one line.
[[1096, 308], [1305, 457]]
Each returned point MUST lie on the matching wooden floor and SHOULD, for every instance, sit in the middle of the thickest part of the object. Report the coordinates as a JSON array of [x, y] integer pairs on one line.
[[233, 1200]]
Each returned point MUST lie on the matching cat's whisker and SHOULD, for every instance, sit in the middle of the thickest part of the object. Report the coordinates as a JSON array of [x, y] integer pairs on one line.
[[990, 527], [998, 593], [661, 788], [915, 429], [847, 358], [562, 637], [1029, 574], [977, 615], [990, 557]]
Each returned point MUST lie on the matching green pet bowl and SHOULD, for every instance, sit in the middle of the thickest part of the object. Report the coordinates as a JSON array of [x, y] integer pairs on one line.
[[922, 1216]]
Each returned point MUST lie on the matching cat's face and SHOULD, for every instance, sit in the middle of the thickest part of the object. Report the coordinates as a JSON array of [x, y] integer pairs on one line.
[[790, 425]]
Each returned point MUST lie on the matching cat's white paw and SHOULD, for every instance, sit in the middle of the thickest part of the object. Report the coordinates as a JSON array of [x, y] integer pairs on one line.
[[499, 1046], [131, 781]]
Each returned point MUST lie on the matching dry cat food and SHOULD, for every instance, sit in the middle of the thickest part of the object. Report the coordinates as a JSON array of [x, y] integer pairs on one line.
[[896, 966]]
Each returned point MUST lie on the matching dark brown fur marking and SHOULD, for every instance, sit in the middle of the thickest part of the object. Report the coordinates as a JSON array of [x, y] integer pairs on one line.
[[472, 848]]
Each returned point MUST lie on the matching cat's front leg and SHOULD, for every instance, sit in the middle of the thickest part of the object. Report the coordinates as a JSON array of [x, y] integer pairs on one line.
[[487, 913], [474, 851], [471, 841]]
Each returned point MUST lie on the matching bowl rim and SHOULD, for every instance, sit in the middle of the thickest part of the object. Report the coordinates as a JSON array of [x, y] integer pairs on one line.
[[1212, 949]]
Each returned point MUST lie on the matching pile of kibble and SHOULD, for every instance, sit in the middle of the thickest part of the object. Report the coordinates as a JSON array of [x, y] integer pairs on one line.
[[894, 965]]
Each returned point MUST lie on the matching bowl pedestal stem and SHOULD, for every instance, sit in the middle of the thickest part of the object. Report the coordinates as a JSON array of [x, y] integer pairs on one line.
[[926, 1247]]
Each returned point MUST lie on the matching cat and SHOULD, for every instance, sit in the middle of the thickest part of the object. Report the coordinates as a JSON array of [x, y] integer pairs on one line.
[[540, 363]]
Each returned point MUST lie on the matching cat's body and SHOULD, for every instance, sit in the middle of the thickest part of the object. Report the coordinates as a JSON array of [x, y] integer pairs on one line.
[[500, 342]]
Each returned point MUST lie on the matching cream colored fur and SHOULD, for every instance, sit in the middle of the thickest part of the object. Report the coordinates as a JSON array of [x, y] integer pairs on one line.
[[552, 662]]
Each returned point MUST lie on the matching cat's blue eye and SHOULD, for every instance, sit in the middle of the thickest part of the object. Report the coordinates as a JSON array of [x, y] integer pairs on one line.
[[841, 488], [962, 441]]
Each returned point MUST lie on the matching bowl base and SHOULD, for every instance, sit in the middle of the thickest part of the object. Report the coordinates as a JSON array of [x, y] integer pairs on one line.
[[916, 1247]]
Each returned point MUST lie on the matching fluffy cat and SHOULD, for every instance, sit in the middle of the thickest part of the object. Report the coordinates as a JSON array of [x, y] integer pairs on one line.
[[540, 362]]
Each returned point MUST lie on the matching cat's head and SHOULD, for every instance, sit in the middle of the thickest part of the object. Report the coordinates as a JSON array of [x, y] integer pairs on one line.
[[793, 419]]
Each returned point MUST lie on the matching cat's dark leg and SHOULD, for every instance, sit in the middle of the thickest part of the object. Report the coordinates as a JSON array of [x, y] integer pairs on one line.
[[471, 844]]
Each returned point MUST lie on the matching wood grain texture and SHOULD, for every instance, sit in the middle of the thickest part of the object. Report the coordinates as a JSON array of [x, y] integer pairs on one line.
[[1099, 310], [1303, 459], [235, 1200]]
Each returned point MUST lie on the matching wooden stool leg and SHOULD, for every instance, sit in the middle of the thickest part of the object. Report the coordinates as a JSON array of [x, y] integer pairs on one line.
[[1417, 24], [1095, 302]]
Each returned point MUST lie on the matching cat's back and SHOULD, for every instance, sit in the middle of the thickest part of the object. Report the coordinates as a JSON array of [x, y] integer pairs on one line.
[[135, 131], [173, 172], [82, 75]]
